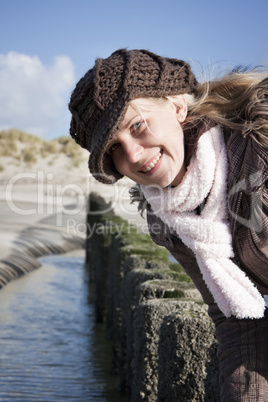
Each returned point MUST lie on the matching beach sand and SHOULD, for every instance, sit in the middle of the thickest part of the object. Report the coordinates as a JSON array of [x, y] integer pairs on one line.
[[43, 210]]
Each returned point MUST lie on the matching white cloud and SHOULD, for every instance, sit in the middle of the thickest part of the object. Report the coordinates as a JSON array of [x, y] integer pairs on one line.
[[34, 97]]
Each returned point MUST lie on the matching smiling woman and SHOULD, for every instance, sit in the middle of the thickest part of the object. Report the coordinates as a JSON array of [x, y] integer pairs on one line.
[[198, 153], [149, 146]]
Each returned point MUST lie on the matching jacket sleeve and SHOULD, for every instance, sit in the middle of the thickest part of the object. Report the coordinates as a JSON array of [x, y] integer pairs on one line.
[[248, 190]]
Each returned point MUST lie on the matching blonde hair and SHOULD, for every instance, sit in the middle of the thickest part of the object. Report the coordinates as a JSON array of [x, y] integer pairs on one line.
[[236, 101]]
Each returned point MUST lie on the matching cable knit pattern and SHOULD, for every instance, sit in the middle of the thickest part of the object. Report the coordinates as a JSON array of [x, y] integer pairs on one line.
[[208, 234]]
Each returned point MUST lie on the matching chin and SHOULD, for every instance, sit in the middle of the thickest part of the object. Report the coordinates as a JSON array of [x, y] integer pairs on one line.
[[163, 183], [167, 182]]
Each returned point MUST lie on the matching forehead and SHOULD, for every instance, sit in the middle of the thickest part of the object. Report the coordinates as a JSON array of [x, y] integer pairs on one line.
[[141, 107]]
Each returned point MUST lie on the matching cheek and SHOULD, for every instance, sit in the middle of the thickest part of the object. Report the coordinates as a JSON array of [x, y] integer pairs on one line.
[[180, 152]]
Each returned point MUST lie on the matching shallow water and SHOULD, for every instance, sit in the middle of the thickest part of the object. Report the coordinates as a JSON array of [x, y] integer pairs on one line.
[[51, 349]]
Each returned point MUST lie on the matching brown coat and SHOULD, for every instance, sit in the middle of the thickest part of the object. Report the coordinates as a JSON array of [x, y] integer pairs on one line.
[[248, 211]]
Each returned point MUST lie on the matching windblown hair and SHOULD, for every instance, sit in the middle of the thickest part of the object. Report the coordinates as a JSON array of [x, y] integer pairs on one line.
[[237, 101]]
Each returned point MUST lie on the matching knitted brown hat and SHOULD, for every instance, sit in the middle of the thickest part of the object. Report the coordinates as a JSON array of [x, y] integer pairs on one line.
[[100, 100]]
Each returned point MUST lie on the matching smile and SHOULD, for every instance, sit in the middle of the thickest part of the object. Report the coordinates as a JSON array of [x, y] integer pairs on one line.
[[152, 164]]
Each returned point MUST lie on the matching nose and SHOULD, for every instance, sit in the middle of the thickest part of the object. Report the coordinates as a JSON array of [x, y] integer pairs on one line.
[[133, 151]]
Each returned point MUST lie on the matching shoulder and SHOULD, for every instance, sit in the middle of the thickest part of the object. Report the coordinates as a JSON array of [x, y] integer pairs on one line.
[[248, 205], [159, 231], [256, 114], [246, 157]]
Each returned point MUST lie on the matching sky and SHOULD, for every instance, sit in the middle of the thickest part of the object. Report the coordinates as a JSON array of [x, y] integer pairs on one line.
[[46, 46]]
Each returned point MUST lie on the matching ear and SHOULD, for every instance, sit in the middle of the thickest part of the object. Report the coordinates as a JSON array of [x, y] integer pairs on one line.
[[180, 104]]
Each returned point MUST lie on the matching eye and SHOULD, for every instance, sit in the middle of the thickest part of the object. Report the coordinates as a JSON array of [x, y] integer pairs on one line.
[[137, 128], [113, 148], [137, 125]]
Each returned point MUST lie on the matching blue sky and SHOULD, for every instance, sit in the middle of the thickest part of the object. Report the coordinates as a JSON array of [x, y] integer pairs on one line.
[[47, 45]]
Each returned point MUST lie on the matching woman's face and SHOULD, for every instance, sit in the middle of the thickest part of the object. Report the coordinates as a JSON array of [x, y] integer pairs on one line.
[[149, 146]]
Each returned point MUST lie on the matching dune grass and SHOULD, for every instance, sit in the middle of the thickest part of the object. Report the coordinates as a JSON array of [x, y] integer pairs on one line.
[[25, 147]]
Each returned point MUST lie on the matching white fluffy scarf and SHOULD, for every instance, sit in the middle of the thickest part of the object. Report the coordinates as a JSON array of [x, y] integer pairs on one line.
[[208, 234]]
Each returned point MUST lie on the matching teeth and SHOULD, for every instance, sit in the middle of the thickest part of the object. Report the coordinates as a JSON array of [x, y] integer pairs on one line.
[[152, 164]]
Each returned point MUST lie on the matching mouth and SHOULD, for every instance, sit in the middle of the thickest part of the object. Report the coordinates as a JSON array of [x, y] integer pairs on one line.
[[147, 168]]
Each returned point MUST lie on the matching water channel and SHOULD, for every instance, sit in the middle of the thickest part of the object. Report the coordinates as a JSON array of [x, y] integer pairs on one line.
[[51, 349]]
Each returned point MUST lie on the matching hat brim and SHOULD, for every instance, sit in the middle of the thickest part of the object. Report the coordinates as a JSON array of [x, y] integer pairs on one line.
[[100, 163]]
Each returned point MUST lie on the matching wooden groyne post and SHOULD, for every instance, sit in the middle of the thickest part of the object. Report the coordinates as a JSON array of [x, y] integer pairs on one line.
[[163, 345]]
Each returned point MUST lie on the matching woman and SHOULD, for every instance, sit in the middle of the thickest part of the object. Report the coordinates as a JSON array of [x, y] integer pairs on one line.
[[199, 155]]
